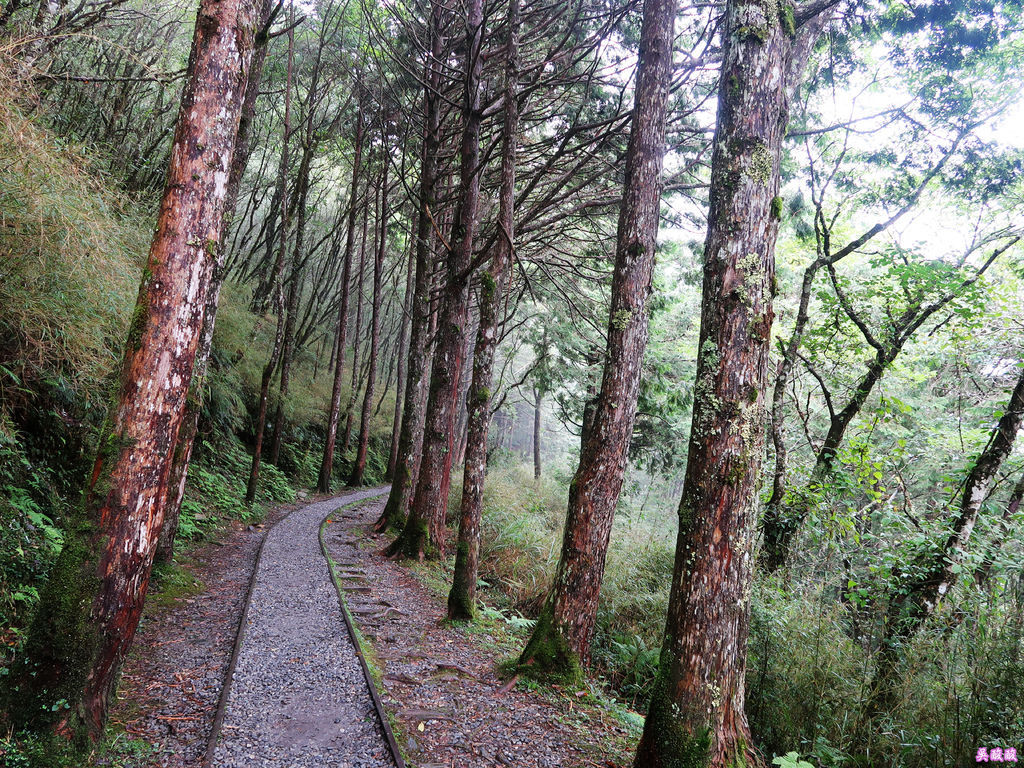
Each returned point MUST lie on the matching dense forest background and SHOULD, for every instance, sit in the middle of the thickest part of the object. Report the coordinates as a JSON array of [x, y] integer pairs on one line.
[[896, 354]]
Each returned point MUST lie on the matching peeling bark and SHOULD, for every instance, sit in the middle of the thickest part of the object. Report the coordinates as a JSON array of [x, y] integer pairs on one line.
[[190, 421], [91, 605]]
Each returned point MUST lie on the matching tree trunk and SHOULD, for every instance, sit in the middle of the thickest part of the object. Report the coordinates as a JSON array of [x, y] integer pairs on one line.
[[396, 428], [275, 352], [462, 597], [984, 571], [411, 436], [465, 381], [356, 340], [91, 605], [561, 638], [536, 434], [193, 405], [38, 41], [781, 522], [371, 378], [292, 308], [781, 525], [426, 524], [696, 715], [327, 465]]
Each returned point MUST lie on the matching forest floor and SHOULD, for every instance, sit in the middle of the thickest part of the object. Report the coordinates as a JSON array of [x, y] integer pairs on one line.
[[441, 685]]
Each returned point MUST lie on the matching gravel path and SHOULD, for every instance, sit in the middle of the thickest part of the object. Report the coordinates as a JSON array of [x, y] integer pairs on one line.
[[298, 697]]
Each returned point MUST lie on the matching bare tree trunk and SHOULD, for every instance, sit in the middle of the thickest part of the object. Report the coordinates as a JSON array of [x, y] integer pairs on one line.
[[327, 465], [275, 352], [984, 571], [493, 285], [396, 428], [781, 525], [38, 41], [536, 433], [292, 308], [407, 465], [91, 605], [193, 405], [371, 378], [561, 639], [696, 715], [356, 340], [426, 524]]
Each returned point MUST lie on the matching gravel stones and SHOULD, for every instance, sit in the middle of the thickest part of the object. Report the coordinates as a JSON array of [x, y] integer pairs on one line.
[[298, 696]]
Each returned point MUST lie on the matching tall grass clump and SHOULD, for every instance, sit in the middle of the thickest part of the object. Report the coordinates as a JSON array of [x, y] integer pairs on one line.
[[521, 532], [71, 252]]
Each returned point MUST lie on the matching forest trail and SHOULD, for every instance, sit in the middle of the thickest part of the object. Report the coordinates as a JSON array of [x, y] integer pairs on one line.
[[298, 697]]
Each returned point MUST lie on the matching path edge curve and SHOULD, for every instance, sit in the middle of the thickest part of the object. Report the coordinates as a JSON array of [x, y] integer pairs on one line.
[[385, 724]]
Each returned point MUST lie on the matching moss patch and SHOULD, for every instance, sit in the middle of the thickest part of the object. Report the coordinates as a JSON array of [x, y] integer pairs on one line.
[[547, 656], [667, 736]]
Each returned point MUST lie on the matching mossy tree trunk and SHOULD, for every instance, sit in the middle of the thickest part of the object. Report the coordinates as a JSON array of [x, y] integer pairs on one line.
[[696, 715], [362, 446], [190, 421], [561, 639], [410, 437], [425, 527], [327, 465], [493, 282], [91, 605]]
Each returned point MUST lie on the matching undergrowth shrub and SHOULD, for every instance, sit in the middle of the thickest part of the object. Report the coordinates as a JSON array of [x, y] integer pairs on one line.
[[215, 490], [29, 541], [960, 684]]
